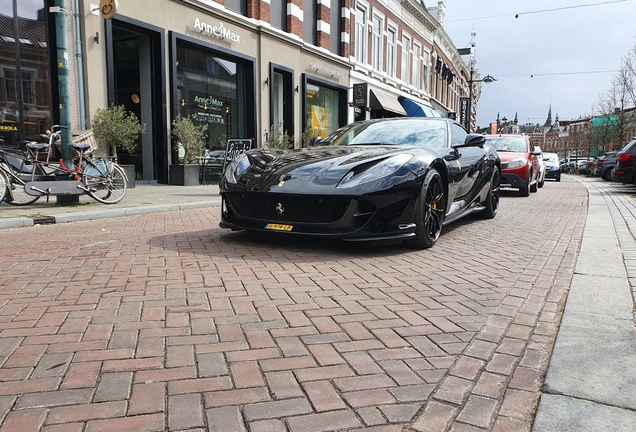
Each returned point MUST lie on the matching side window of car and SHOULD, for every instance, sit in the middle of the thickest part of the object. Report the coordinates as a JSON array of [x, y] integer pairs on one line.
[[458, 133]]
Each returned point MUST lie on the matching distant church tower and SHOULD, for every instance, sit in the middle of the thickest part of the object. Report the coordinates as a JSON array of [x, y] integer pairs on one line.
[[548, 121]]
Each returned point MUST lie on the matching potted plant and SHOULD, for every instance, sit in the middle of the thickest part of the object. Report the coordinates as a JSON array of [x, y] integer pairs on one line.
[[279, 139], [115, 128], [189, 139]]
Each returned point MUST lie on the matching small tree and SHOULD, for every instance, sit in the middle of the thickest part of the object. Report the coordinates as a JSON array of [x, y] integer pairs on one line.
[[115, 128], [308, 135], [189, 136], [279, 139]]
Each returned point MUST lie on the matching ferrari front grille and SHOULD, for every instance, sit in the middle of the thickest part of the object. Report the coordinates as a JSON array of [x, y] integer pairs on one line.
[[289, 208]]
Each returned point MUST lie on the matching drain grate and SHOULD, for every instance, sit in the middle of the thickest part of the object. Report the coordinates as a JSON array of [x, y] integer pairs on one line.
[[42, 220]]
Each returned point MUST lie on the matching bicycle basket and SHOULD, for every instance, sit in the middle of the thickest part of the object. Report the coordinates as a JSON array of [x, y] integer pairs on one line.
[[86, 137]]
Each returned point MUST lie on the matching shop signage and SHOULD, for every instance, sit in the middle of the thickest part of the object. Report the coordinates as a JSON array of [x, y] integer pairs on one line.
[[207, 102], [463, 112], [8, 128], [360, 93], [107, 8], [325, 71], [219, 31]]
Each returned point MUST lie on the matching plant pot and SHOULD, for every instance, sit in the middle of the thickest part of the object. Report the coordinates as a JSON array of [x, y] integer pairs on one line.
[[184, 175], [131, 174]]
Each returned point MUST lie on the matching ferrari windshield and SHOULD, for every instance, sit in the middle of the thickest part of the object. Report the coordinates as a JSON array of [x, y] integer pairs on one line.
[[407, 132]]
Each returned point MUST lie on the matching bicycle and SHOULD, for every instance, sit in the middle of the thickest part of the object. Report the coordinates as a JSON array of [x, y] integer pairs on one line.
[[29, 178]]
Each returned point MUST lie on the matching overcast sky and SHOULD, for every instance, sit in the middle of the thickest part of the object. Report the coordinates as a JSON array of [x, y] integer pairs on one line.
[[559, 47]]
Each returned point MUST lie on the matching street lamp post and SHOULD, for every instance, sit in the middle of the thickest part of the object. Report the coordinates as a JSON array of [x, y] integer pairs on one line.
[[487, 79]]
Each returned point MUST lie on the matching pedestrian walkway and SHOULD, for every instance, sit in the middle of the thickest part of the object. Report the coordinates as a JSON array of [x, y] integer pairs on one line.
[[143, 198], [591, 380]]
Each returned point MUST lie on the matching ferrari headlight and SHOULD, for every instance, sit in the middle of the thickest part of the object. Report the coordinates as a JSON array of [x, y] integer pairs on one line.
[[516, 163], [237, 167], [380, 170]]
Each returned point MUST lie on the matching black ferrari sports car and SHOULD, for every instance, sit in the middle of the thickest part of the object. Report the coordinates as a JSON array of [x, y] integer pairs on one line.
[[385, 180]]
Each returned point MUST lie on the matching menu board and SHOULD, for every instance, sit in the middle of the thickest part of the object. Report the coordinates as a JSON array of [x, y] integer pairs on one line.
[[234, 149]]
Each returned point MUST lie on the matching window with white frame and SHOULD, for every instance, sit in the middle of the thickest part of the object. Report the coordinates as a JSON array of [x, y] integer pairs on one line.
[[391, 50], [425, 71], [415, 75], [406, 54], [376, 42], [361, 34]]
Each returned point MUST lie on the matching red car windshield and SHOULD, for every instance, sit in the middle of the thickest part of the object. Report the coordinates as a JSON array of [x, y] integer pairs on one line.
[[508, 144]]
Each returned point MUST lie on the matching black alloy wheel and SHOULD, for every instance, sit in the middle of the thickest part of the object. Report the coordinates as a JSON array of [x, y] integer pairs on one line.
[[607, 175], [430, 211], [492, 201]]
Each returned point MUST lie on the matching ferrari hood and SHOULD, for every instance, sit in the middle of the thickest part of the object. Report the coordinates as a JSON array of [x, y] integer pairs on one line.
[[316, 167]]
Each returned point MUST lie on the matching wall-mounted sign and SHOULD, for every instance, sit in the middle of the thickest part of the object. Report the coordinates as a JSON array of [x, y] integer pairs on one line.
[[219, 31], [463, 112], [107, 8], [323, 70], [360, 93]]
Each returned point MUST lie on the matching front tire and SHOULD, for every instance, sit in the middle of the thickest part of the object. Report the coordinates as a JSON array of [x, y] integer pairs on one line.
[[492, 200], [4, 186], [430, 211], [107, 182]]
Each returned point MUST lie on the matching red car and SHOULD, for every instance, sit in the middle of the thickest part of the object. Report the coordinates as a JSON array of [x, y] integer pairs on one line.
[[519, 162]]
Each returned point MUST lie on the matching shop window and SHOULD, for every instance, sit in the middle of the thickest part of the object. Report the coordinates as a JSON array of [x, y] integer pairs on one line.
[[25, 100], [282, 99], [322, 109], [210, 87]]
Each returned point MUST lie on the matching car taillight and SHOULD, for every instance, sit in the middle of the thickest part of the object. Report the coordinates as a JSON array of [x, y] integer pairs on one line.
[[623, 157]]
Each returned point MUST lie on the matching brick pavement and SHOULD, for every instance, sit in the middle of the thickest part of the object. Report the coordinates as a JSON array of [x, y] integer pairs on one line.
[[166, 322]]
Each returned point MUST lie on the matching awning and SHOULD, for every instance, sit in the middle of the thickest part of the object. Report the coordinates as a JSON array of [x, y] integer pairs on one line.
[[379, 100], [416, 109]]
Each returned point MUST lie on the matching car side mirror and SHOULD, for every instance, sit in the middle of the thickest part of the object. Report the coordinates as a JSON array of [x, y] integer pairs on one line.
[[314, 141], [451, 155], [474, 140]]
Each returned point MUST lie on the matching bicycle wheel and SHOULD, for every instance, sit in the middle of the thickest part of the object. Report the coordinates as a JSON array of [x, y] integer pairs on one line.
[[105, 180], [16, 195], [4, 186]]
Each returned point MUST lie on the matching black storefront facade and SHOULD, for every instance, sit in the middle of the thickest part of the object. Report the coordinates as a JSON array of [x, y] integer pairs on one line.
[[239, 78]]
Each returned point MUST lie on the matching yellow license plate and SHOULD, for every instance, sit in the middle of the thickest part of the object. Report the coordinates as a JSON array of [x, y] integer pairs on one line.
[[279, 227]]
